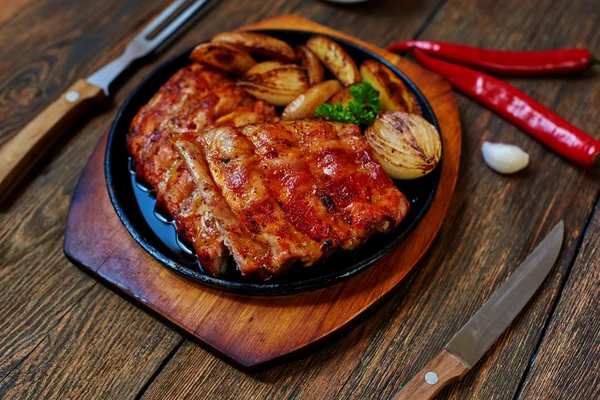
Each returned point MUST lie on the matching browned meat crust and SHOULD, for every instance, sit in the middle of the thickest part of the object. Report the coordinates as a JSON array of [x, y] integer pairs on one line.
[[271, 194]]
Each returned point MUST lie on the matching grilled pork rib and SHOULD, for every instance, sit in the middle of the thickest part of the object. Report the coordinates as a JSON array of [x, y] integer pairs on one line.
[[192, 99], [232, 175], [291, 191], [360, 192], [250, 253], [268, 193], [289, 177]]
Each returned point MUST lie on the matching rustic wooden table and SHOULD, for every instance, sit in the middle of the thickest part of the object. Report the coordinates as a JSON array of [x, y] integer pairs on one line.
[[64, 335]]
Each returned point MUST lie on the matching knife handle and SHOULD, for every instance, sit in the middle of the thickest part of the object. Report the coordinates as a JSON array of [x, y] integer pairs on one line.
[[19, 155], [441, 371]]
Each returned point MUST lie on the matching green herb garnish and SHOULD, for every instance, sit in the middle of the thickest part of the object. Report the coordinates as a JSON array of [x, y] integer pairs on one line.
[[362, 110]]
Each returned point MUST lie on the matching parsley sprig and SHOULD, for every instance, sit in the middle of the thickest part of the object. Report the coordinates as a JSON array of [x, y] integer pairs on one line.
[[362, 110]]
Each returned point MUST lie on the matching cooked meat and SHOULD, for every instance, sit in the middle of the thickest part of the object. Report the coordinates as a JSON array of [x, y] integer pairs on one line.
[[237, 172], [291, 191], [268, 193], [380, 187], [289, 178], [250, 253], [346, 174], [192, 99]]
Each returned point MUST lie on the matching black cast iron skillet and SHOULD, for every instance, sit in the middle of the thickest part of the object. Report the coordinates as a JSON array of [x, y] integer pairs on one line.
[[134, 201]]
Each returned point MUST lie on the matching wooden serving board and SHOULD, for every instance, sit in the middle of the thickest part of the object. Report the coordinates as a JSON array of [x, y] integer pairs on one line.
[[252, 330]]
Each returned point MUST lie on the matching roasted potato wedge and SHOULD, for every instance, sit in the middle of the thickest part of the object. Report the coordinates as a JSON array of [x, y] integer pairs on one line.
[[256, 43], [277, 86], [263, 67], [304, 105], [393, 93], [311, 63], [342, 96], [223, 56], [335, 59]]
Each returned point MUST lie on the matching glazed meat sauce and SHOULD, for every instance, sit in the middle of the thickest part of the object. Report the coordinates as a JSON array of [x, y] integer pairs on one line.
[[239, 182]]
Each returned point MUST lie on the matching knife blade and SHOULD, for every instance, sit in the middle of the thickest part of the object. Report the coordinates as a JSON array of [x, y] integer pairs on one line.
[[473, 340], [20, 154]]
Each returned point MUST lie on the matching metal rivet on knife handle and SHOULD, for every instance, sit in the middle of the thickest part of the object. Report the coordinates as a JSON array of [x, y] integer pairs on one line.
[[428, 383], [431, 378]]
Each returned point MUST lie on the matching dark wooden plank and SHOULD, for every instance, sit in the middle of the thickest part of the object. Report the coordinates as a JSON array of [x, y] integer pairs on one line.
[[47, 45], [37, 284], [493, 223], [528, 205], [254, 331], [53, 43], [380, 355], [103, 348], [567, 364], [9, 7]]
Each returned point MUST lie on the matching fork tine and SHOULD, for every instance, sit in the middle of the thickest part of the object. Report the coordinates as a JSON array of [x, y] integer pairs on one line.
[[167, 12], [177, 22], [140, 47]]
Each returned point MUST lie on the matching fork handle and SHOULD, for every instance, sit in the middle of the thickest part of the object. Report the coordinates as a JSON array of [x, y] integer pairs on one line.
[[441, 371], [20, 154]]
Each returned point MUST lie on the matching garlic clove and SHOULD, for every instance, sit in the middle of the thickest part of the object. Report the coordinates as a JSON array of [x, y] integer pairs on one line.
[[504, 158]]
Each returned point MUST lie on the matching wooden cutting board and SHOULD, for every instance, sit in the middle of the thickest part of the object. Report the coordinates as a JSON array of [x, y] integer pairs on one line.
[[252, 331]]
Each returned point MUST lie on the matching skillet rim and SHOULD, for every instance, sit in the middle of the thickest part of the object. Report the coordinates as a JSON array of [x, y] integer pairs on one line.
[[266, 288]]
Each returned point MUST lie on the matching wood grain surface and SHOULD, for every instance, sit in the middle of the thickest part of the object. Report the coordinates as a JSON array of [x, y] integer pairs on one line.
[[22, 152], [493, 220], [440, 372], [252, 331], [567, 365]]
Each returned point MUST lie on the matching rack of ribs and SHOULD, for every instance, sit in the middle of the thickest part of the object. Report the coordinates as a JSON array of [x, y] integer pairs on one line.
[[270, 194], [253, 223], [194, 98], [286, 192]]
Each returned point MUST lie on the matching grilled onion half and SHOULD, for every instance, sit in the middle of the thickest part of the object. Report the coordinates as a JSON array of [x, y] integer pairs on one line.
[[406, 145]]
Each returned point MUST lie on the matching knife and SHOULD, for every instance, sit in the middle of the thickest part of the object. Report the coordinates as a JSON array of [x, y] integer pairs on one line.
[[475, 338], [19, 155]]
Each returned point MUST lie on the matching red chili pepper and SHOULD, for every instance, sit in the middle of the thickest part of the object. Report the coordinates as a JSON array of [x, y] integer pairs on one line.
[[516, 63], [519, 109]]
